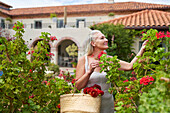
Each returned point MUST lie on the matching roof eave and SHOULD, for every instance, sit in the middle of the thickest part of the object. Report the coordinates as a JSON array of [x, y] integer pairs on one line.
[[147, 27]]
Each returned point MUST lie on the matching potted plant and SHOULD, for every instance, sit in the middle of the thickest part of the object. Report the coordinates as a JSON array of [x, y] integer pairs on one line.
[[72, 52], [9, 19], [53, 16], [111, 14], [74, 64]]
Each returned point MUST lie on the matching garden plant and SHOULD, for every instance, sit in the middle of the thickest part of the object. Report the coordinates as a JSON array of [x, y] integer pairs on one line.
[[147, 90], [24, 86]]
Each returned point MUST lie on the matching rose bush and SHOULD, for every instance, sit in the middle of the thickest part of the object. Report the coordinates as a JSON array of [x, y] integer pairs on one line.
[[147, 90], [23, 84]]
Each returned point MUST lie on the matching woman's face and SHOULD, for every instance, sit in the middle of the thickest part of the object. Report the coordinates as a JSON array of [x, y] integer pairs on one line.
[[100, 42]]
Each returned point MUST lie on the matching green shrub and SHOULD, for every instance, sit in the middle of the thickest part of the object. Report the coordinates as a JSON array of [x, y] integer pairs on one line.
[[148, 90], [23, 85], [111, 14], [54, 67]]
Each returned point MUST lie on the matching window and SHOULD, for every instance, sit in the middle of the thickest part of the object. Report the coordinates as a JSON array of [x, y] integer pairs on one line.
[[60, 23], [78, 23], [140, 44], [3, 23], [38, 25]]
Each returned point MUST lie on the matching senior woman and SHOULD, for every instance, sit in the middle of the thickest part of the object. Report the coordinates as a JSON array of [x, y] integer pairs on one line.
[[88, 70]]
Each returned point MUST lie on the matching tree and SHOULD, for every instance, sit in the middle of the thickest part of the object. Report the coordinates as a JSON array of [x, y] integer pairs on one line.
[[120, 40]]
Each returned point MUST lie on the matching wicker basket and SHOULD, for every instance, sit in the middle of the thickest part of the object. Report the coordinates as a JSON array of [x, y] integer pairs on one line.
[[79, 103]]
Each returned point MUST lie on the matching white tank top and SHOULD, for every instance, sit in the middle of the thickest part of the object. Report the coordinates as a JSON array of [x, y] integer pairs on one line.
[[107, 104]]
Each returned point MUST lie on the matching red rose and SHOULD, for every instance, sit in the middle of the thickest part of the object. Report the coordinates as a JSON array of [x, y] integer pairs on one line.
[[48, 84], [45, 82], [126, 89], [151, 79], [73, 81], [58, 106], [160, 35], [32, 96], [133, 73], [125, 81], [53, 38], [30, 70], [131, 98], [167, 34], [60, 75], [51, 54], [85, 90], [28, 52], [133, 78], [100, 54], [100, 92], [146, 80], [94, 90], [89, 90], [32, 52], [29, 80], [96, 86], [94, 93]]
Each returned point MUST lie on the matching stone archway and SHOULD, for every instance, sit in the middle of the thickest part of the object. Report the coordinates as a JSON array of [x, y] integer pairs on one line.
[[35, 40], [63, 58], [33, 46]]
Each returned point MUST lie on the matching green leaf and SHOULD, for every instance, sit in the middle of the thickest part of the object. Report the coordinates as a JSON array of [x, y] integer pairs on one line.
[[26, 111], [1, 81]]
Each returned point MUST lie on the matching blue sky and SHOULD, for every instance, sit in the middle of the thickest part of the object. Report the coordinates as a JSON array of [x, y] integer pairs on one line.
[[43, 3]]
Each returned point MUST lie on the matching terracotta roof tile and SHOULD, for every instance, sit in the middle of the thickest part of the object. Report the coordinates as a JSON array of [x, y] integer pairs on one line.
[[5, 4], [143, 19], [118, 6], [4, 11]]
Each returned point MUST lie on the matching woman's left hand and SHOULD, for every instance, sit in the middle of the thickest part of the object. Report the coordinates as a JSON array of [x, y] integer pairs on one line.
[[144, 44]]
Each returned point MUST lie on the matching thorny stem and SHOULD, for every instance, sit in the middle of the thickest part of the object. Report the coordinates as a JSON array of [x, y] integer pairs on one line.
[[7, 53], [145, 71], [8, 97], [134, 104], [116, 87], [11, 104], [149, 68]]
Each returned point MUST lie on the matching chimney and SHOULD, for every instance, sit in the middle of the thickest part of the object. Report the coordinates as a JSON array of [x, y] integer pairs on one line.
[[110, 1]]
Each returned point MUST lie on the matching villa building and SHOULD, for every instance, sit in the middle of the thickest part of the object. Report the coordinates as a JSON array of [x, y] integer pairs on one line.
[[72, 23]]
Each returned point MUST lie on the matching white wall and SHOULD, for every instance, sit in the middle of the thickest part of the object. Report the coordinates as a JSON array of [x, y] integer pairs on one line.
[[78, 35]]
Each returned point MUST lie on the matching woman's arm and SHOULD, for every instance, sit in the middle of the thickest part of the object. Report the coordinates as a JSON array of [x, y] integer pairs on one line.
[[82, 77], [129, 66]]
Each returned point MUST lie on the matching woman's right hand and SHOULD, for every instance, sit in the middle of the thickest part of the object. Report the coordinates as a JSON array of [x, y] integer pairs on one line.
[[93, 65]]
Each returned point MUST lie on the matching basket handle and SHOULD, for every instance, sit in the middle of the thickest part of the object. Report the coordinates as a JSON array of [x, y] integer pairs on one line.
[[75, 88]]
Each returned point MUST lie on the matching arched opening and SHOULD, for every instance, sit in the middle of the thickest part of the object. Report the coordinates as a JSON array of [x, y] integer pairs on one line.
[[67, 53], [35, 47]]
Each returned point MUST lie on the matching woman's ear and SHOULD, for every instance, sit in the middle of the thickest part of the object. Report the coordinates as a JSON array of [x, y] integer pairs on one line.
[[93, 43]]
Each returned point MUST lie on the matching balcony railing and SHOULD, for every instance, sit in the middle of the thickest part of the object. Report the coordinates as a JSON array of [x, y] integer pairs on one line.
[[51, 25]]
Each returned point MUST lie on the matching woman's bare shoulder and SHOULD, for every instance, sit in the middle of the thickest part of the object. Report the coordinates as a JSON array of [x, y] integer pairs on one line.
[[81, 60]]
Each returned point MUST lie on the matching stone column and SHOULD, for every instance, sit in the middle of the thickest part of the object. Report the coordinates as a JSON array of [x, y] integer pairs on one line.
[[55, 57]]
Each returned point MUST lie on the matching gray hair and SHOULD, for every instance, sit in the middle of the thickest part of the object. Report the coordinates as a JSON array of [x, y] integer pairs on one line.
[[92, 37]]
